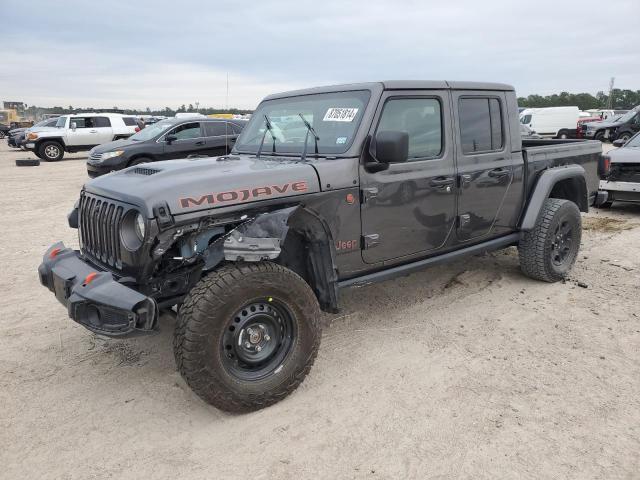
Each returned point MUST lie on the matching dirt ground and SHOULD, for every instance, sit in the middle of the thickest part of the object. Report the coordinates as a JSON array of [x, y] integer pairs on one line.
[[462, 371]]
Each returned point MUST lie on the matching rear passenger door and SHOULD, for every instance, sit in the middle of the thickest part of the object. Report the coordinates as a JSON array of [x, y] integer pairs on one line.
[[189, 140], [220, 137], [484, 161], [102, 129], [410, 208]]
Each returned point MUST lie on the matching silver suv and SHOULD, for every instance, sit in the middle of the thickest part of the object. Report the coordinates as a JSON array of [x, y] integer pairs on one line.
[[78, 132]]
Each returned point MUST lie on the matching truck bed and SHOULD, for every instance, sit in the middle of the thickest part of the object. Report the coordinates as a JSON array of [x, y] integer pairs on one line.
[[541, 154]]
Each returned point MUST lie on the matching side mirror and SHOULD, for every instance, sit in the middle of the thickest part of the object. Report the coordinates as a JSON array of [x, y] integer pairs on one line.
[[74, 126], [391, 147], [618, 143], [170, 138]]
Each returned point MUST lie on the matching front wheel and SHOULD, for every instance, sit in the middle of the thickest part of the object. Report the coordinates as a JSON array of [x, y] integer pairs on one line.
[[50, 151], [549, 250], [247, 335], [624, 137]]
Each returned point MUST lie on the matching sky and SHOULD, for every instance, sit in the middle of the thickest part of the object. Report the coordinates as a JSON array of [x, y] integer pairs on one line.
[[138, 54]]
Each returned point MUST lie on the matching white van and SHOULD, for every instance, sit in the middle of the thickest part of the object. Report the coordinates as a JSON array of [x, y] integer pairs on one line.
[[552, 122]]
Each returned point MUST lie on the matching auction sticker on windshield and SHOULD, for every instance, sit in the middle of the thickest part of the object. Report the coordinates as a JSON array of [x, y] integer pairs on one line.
[[335, 114]]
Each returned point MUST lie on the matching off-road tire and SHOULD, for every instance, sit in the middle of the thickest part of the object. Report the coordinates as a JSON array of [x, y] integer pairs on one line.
[[28, 162], [599, 136], [50, 151], [625, 136], [208, 313], [536, 248], [606, 204]]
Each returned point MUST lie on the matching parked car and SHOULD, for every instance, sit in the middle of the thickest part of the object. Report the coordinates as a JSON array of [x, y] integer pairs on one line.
[[166, 140], [4, 130], [622, 128], [552, 122], [77, 133], [604, 114], [621, 173], [250, 247], [17, 136]]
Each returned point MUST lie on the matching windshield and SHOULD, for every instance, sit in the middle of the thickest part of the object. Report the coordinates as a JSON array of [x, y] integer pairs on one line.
[[634, 142], [627, 116], [334, 116], [151, 131], [61, 122], [524, 119]]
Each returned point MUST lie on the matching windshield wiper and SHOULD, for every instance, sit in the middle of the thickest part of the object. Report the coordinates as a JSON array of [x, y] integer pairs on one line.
[[269, 128], [306, 138]]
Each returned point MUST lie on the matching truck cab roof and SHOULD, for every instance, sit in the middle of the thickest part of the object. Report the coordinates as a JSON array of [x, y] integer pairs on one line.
[[398, 85]]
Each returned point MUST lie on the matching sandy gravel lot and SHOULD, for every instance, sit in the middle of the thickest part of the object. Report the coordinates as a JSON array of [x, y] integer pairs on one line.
[[464, 371]]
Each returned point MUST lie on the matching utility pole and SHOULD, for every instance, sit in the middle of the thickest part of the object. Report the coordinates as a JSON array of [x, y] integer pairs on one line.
[[226, 101], [610, 99], [197, 106]]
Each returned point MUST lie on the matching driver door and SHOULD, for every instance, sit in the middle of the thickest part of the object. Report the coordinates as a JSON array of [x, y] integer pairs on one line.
[[189, 140], [410, 208]]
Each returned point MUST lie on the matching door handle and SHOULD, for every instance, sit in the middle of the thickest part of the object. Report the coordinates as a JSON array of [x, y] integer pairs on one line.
[[93, 131], [498, 172], [201, 142], [441, 181]]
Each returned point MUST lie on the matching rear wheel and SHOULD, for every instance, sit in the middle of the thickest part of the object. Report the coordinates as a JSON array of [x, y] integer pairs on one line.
[[563, 134], [50, 151], [549, 250], [606, 204], [247, 335]]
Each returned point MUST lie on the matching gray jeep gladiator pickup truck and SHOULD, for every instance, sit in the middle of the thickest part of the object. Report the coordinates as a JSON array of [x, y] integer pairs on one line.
[[326, 188]]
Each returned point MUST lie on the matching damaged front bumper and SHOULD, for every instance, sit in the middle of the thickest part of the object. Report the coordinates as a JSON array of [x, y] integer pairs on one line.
[[93, 297]]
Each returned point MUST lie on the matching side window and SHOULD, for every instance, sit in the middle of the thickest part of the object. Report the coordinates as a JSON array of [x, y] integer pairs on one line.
[[101, 122], [237, 129], [129, 121], [81, 122], [480, 124], [217, 129], [421, 118], [187, 131]]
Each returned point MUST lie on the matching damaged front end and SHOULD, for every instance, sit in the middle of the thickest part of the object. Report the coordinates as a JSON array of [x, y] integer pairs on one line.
[[291, 236]]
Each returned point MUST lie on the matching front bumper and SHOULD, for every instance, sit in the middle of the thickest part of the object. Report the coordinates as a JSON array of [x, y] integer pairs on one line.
[[102, 305]]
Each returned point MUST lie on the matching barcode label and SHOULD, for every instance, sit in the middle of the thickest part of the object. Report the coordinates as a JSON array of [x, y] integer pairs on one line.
[[335, 114]]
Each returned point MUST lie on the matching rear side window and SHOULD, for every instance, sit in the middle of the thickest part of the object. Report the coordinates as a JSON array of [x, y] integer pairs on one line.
[[129, 121], [480, 125], [217, 129], [421, 118], [525, 119], [237, 129], [101, 122]]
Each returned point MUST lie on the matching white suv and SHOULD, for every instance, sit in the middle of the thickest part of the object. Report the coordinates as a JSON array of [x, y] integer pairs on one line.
[[78, 132]]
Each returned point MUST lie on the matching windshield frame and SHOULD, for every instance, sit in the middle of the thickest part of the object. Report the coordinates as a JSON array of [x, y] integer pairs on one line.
[[630, 114], [352, 147], [633, 140]]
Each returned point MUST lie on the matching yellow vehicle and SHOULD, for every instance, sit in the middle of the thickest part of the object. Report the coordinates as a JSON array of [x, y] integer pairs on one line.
[[228, 116], [8, 115]]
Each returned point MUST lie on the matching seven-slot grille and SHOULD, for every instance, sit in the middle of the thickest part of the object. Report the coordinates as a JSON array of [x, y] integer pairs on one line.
[[99, 222]]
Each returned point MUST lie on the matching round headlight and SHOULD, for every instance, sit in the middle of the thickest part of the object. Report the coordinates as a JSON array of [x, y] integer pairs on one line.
[[140, 226], [132, 230]]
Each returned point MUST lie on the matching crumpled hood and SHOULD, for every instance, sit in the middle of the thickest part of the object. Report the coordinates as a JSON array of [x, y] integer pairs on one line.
[[190, 185], [625, 155]]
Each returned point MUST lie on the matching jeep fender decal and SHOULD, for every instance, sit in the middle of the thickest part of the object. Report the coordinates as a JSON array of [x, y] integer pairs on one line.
[[243, 194]]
